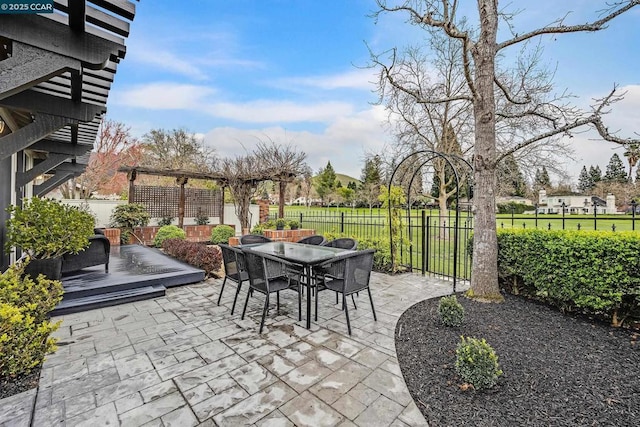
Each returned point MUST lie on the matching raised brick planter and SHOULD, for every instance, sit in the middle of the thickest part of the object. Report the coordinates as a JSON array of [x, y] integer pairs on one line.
[[195, 233], [113, 234], [281, 235], [289, 235]]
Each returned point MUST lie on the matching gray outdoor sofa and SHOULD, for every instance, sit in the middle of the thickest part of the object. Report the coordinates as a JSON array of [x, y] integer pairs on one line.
[[96, 254]]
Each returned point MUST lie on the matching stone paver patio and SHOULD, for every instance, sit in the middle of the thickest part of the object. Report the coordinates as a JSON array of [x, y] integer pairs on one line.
[[183, 361]]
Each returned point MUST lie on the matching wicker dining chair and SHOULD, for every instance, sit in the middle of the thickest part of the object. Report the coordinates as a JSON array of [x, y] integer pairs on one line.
[[316, 239], [347, 274], [343, 243], [234, 270], [269, 274], [248, 239]]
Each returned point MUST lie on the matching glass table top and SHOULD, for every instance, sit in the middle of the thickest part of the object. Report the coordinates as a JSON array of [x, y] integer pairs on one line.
[[298, 252]]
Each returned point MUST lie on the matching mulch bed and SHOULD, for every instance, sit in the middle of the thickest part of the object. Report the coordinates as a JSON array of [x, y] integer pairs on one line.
[[11, 386], [559, 370]]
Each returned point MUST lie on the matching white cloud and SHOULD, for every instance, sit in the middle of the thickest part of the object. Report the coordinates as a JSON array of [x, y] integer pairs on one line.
[[344, 142], [165, 60], [360, 79], [274, 111], [163, 96]]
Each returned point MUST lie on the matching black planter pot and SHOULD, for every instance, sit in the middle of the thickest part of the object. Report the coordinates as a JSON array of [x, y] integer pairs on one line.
[[279, 227], [50, 267]]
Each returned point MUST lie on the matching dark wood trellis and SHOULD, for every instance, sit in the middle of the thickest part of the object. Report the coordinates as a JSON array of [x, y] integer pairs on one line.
[[176, 201], [165, 201]]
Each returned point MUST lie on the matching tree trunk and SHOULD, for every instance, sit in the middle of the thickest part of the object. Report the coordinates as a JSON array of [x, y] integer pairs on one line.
[[282, 188], [484, 280]]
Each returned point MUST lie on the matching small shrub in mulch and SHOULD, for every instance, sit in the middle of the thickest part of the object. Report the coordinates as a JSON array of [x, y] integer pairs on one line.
[[559, 370], [198, 255], [451, 311]]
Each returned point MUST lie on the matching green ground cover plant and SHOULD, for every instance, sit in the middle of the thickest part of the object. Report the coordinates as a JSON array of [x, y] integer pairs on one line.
[[477, 363]]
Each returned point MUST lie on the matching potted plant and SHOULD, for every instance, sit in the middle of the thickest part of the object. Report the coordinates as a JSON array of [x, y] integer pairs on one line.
[[280, 223], [125, 217], [46, 229], [294, 225]]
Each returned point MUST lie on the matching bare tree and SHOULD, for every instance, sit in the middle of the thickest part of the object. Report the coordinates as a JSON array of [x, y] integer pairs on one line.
[[479, 55], [177, 149], [114, 147], [282, 163], [243, 180]]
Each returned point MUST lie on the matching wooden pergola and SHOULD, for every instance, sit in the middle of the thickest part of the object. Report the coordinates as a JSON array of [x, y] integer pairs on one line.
[[182, 178], [56, 70]]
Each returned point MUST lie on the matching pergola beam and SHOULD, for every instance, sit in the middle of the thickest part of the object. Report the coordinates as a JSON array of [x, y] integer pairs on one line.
[[52, 160], [29, 66], [51, 183], [34, 101], [92, 51], [43, 125]]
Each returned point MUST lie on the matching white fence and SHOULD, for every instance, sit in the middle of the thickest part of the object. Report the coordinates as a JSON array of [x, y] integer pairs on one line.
[[101, 210]]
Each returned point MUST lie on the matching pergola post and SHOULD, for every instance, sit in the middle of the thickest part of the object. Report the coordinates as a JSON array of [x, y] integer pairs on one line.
[[182, 180], [131, 175]]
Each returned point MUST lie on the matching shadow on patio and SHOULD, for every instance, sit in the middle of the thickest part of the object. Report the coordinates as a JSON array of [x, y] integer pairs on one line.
[[182, 360]]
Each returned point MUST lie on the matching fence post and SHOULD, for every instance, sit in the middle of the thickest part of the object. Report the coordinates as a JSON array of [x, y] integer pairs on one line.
[[341, 222], [301, 220], [427, 244], [424, 241]]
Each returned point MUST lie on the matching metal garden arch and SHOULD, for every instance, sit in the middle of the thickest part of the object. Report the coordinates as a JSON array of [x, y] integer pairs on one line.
[[423, 157]]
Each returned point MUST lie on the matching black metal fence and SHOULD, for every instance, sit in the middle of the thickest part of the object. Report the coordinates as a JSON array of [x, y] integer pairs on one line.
[[427, 241]]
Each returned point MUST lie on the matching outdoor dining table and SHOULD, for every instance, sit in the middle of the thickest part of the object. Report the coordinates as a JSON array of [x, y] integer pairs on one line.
[[304, 255]]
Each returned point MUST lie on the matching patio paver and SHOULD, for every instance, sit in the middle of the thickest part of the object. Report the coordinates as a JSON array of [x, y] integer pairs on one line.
[[182, 360]]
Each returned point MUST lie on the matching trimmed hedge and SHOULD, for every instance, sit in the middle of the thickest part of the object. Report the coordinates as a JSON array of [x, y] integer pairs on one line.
[[222, 234], [196, 254], [168, 232], [594, 272], [24, 325]]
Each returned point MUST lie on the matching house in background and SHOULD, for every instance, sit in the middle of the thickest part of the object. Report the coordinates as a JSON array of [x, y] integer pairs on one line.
[[57, 69], [575, 204]]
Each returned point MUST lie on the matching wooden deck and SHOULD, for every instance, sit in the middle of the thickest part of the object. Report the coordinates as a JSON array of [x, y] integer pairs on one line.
[[135, 272]]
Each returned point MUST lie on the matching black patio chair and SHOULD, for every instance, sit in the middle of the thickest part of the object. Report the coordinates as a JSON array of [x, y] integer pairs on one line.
[[347, 274], [234, 270], [343, 243], [269, 274], [248, 239], [313, 240]]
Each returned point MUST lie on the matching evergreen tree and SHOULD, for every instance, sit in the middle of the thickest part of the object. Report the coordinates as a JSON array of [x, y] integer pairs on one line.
[[616, 171], [352, 185], [595, 173], [511, 181], [326, 182], [542, 180], [371, 179], [585, 181]]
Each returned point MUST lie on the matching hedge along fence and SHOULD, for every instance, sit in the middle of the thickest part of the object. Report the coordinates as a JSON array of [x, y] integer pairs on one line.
[[594, 272]]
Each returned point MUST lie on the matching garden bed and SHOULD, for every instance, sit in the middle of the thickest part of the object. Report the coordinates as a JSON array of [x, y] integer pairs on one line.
[[558, 370]]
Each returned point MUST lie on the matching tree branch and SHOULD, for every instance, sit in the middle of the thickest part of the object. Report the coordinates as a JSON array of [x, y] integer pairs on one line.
[[558, 29]]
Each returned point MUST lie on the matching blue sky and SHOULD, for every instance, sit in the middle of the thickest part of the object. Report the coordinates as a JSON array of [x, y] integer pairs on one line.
[[236, 72]]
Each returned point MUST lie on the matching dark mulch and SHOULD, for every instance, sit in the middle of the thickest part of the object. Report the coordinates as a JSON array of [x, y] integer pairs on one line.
[[558, 370], [11, 386]]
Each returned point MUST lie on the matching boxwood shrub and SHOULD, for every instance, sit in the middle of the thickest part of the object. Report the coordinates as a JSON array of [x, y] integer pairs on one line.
[[168, 232], [222, 233], [594, 272], [24, 324]]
